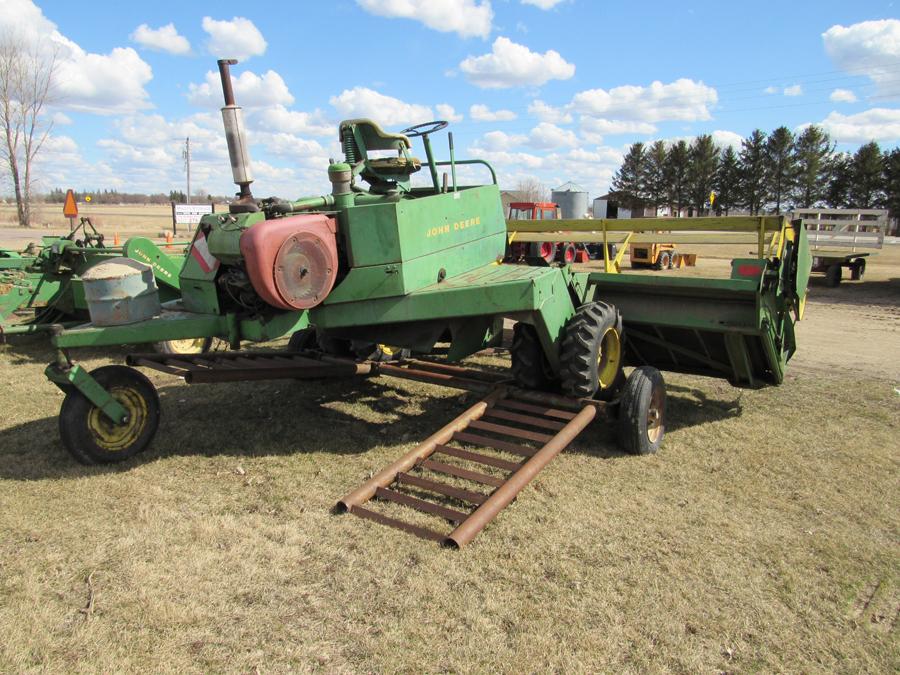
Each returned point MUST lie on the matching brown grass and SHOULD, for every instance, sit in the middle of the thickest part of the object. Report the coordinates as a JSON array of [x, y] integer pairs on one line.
[[763, 537]]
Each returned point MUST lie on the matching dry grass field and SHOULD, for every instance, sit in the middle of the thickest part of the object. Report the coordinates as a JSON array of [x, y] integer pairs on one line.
[[763, 536]]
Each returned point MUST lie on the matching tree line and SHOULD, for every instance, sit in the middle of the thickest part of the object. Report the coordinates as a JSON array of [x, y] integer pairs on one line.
[[771, 173], [58, 196]]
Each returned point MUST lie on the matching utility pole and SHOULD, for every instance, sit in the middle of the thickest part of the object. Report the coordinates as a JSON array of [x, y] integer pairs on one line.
[[187, 166]]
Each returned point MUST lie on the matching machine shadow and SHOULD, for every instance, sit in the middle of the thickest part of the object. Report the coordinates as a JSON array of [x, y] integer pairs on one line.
[[284, 417], [885, 292]]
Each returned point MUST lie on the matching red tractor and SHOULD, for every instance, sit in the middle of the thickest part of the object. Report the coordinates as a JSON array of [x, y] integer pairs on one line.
[[562, 251]]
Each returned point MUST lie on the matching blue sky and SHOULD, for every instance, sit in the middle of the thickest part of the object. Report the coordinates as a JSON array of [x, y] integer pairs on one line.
[[549, 89]]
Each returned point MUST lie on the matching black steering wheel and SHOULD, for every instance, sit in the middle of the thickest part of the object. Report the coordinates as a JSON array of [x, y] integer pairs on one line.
[[425, 128]]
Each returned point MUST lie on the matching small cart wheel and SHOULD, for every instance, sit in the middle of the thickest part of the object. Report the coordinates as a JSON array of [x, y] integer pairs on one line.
[[642, 412], [198, 345], [592, 352], [858, 269], [91, 437], [833, 276]]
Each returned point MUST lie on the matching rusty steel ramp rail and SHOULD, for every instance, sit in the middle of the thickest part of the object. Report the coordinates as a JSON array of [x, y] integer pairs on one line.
[[247, 365], [500, 426]]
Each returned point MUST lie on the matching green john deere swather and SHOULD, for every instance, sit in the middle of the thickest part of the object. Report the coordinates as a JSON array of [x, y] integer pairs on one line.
[[378, 261]]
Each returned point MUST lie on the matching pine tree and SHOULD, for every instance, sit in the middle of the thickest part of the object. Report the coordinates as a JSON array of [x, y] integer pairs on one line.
[[655, 175], [676, 171], [753, 172], [840, 176], [704, 161], [781, 169], [892, 181], [628, 183], [867, 177], [728, 181], [813, 152]]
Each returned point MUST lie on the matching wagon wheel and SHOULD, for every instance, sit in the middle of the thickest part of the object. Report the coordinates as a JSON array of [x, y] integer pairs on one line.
[[302, 339], [833, 276], [91, 437], [592, 352], [530, 367], [858, 269], [642, 411], [199, 345]]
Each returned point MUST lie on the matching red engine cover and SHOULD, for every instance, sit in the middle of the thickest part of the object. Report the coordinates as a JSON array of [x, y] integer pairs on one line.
[[292, 262]]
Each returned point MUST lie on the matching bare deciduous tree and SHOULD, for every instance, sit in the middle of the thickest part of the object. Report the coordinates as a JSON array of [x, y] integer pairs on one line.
[[26, 89], [531, 190]]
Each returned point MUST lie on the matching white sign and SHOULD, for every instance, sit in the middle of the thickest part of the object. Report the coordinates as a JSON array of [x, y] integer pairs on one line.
[[190, 214]]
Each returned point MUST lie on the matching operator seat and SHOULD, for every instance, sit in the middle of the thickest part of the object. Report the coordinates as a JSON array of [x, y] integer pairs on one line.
[[359, 137]]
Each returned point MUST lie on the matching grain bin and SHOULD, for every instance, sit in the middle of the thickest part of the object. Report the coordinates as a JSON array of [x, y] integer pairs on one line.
[[572, 200]]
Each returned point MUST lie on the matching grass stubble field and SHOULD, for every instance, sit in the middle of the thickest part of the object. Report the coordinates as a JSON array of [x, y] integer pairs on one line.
[[763, 536]]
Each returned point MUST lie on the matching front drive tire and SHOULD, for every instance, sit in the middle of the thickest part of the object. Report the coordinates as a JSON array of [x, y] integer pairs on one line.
[[593, 350], [91, 437], [642, 412]]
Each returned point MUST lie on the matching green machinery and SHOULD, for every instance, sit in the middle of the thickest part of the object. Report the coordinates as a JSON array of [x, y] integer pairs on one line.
[[381, 261], [45, 281]]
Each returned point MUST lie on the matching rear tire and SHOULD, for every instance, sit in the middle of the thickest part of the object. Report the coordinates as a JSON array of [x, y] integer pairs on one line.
[[543, 249], [673, 260], [593, 350], [530, 367], [833, 276], [91, 437], [566, 253], [642, 412], [662, 262]]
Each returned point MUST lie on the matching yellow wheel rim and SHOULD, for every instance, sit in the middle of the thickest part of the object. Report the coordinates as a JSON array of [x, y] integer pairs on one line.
[[114, 437], [187, 346], [387, 350], [609, 359]]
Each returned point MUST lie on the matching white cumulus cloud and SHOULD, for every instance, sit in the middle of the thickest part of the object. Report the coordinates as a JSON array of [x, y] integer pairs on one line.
[[793, 90], [843, 96], [467, 18], [446, 112], [513, 65], [238, 38], [876, 124], [498, 140], [547, 113], [385, 110], [279, 118], [727, 138], [596, 127], [683, 99], [105, 84], [250, 90], [165, 39], [546, 136], [869, 48], [481, 113]]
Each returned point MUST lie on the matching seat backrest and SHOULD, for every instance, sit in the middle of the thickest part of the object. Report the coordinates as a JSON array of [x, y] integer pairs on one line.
[[372, 137]]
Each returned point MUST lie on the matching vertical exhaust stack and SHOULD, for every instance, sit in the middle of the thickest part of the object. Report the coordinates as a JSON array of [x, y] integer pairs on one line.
[[236, 137]]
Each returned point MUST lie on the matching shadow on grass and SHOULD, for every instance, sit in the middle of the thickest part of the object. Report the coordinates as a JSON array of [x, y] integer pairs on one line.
[[863, 292], [284, 417]]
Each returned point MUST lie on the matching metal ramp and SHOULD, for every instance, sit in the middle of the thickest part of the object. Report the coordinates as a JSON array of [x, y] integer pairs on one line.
[[513, 440]]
